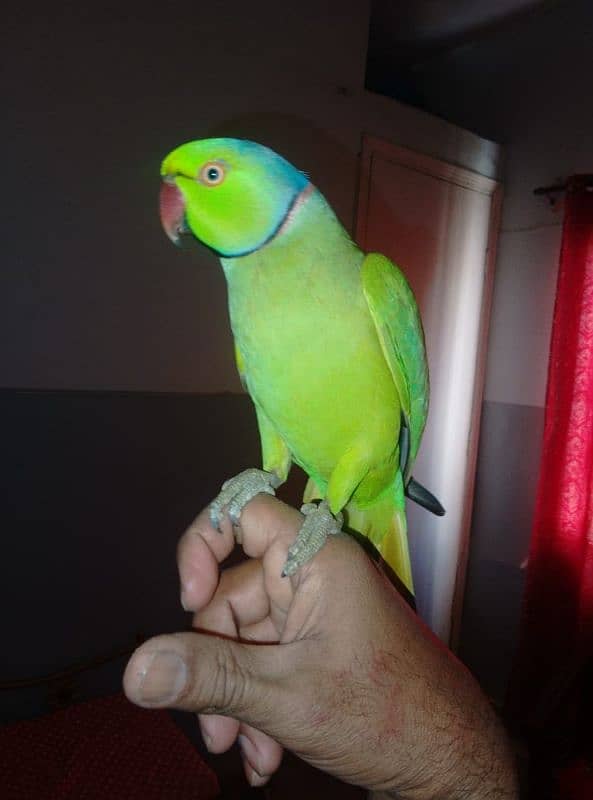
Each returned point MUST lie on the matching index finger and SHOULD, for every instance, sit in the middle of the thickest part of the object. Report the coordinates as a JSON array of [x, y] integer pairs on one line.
[[267, 529]]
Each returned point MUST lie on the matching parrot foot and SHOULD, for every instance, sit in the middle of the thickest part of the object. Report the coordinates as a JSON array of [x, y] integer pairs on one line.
[[318, 525], [238, 491]]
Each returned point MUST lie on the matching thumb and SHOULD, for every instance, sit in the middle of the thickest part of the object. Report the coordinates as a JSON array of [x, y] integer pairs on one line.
[[210, 674]]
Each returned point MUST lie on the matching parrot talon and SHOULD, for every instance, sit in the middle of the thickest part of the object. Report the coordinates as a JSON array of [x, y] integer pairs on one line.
[[237, 492], [234, 516], [318, 525]]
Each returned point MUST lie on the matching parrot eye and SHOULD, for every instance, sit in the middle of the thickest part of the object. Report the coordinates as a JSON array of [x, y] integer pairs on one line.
[[212, 174]]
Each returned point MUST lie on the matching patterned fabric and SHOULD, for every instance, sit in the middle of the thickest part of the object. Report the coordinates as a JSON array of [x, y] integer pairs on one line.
[[104, 749], [557, 627]]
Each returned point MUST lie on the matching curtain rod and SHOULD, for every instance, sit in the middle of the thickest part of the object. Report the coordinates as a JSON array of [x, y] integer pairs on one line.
[[558, 188]]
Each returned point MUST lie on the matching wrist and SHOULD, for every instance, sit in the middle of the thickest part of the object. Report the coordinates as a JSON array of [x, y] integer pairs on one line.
[[471, 758], [481, 764]]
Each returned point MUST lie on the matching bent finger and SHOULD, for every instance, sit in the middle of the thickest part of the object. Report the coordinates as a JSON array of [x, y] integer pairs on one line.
[[240, 599], [267, 529], [198, 561], [261, 754], [219, 733]]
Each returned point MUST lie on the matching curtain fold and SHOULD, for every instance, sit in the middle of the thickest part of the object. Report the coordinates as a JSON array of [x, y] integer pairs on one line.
[[556, 635]]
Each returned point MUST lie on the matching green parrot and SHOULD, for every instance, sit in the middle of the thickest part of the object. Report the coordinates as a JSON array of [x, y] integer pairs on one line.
[[328, 343]]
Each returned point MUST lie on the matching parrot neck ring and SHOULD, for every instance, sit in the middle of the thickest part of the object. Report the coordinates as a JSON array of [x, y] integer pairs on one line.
[[293, 210]]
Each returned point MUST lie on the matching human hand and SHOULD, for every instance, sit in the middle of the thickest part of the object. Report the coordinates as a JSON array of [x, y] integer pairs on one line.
[[353, 683]]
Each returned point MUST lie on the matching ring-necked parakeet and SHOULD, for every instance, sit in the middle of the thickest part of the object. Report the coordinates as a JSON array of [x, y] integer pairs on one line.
[[328, 342]]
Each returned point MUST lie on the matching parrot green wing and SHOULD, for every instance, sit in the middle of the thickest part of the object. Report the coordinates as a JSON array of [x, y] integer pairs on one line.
[[397, 321]]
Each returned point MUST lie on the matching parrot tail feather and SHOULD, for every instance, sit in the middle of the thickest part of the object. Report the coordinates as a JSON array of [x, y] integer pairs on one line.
[[383, 523], [420, 494], [312, 492]]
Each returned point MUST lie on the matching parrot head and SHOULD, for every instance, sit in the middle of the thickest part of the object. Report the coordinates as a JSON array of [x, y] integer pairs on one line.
[[230, 194]]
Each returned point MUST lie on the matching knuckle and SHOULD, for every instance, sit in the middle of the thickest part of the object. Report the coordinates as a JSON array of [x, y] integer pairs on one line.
[[227, 685]]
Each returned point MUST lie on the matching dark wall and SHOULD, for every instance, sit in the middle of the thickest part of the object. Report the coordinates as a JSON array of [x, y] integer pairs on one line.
[[97, 488]]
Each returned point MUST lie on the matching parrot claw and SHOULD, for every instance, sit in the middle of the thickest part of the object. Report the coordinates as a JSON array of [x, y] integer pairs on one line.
[[318, 525], [238, 491]]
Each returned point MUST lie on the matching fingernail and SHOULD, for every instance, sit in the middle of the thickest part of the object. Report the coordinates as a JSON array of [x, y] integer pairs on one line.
[[251, 756], [187, 588], [184, 600], [254, 778], [164, 675]]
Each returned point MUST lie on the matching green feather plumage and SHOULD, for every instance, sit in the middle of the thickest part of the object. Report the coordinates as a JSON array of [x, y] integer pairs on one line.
[[330, 347]]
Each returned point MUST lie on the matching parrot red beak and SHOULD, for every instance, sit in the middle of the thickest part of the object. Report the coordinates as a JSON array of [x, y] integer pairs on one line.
[[172, 210]]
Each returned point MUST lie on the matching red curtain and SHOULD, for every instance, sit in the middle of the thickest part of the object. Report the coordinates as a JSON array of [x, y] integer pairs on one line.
[[556, 637]]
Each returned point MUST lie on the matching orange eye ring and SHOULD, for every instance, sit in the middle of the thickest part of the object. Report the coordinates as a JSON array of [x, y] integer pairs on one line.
[[212, 174]]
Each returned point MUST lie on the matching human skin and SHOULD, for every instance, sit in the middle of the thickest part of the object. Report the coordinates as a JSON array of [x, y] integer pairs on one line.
[[330, 663]]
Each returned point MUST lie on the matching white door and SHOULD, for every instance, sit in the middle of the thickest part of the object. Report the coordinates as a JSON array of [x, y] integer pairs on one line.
[[438, 222]]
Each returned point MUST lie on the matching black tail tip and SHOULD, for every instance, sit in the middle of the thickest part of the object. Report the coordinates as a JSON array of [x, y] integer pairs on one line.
[[419, 494]]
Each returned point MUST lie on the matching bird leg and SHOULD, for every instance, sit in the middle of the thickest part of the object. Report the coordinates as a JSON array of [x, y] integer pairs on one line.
[[238, 491], [318, 525]]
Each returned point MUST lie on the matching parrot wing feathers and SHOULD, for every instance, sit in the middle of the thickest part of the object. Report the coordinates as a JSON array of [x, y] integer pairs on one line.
[[397, 321]]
